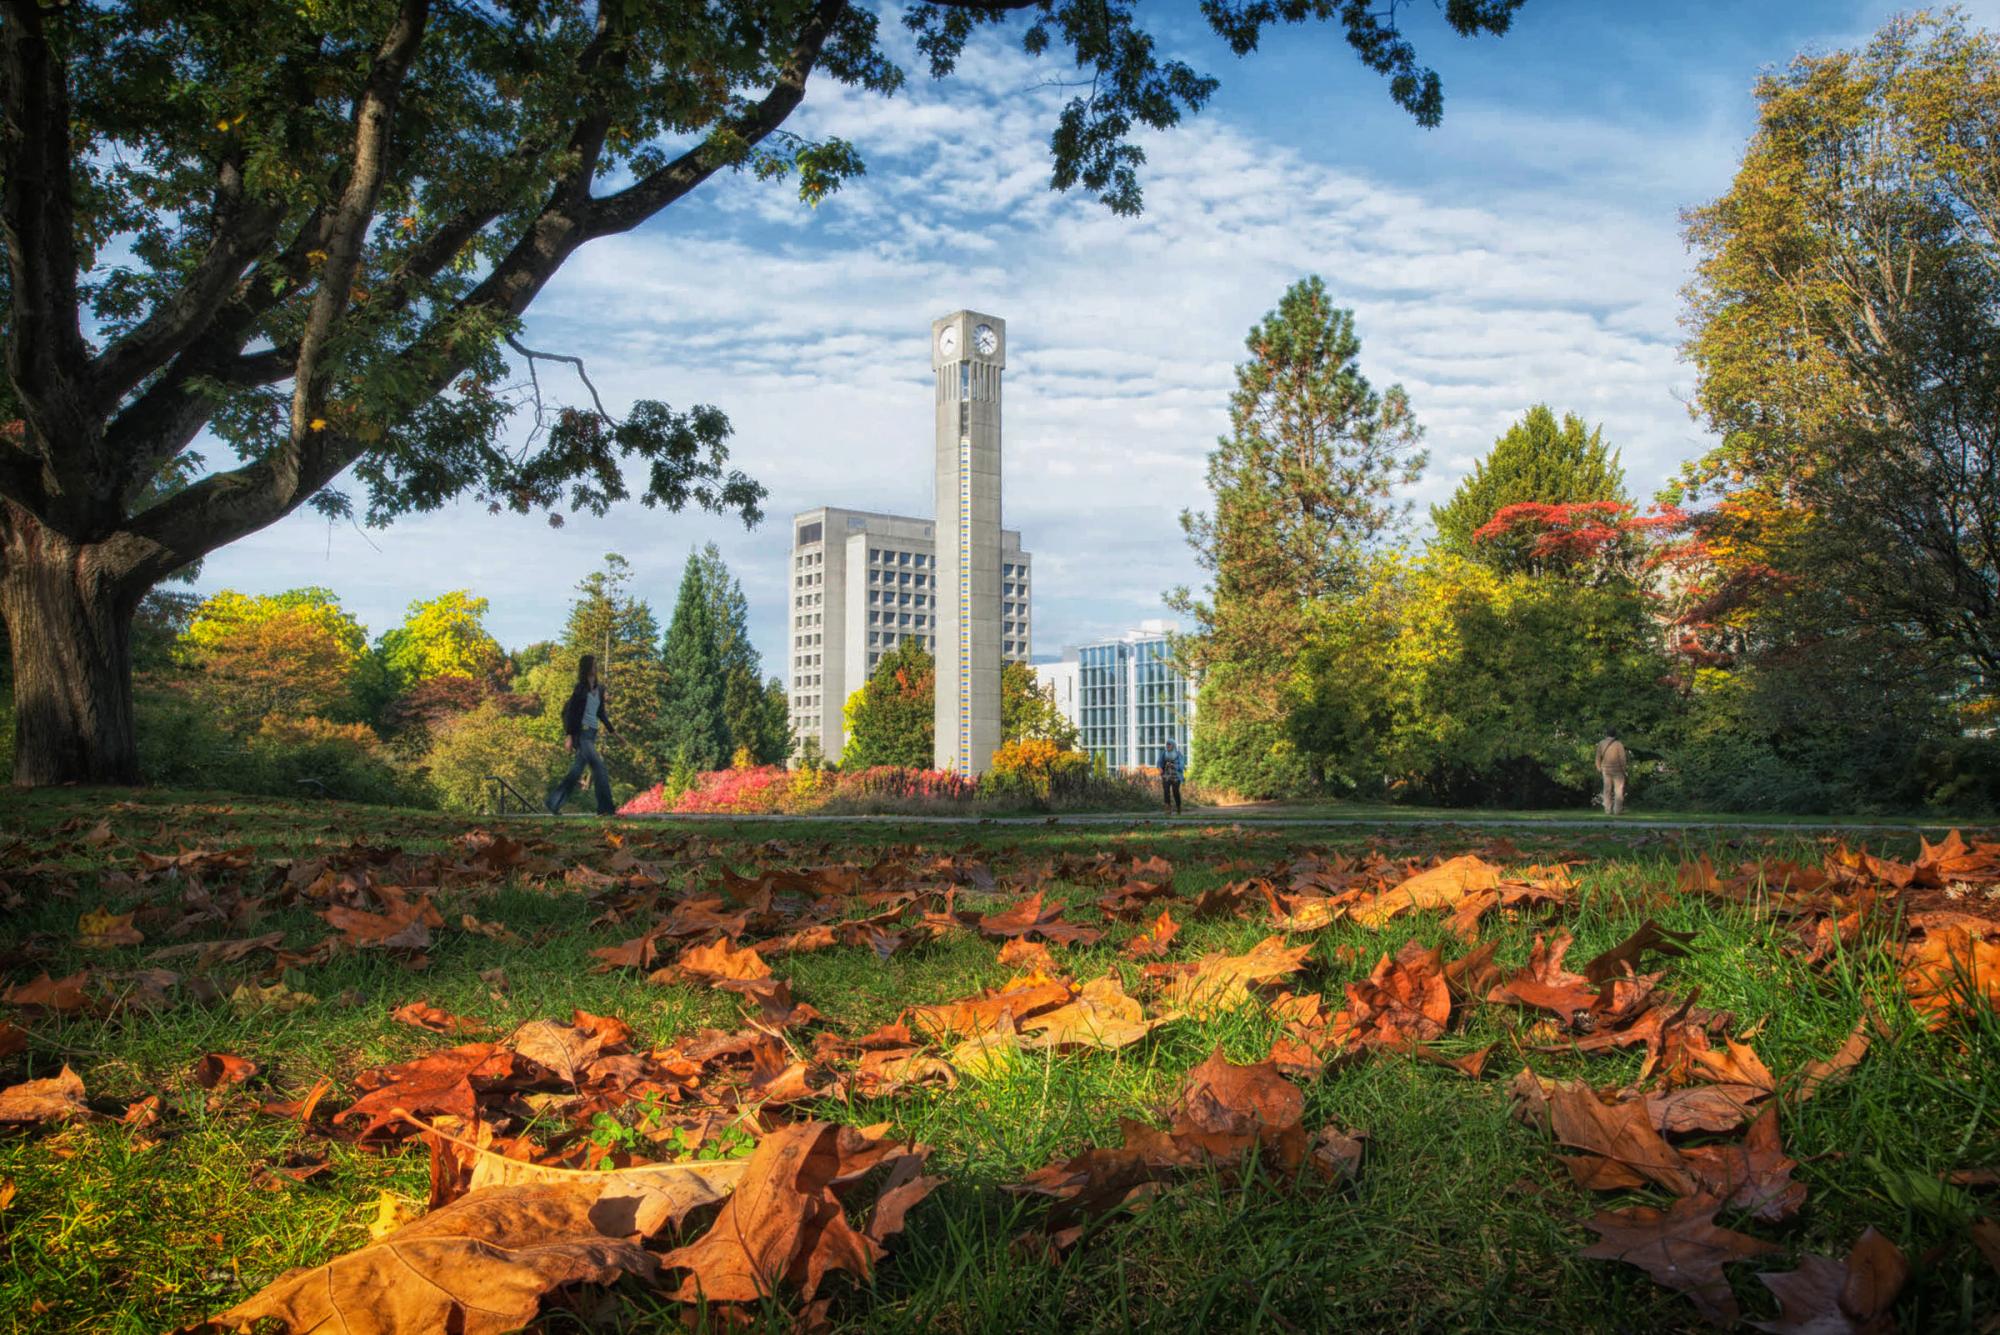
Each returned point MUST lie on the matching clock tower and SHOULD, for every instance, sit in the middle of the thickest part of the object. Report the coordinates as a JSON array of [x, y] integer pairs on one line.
[[968, 352]]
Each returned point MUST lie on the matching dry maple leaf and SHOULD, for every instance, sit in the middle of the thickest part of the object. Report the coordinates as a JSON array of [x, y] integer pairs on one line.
[[1225, 1109], [886, 1071], [102, 930], [440, 1082], [637, 953], [566, 1050], [1101, 1180], [1956, 860], [204, 955], [479, 1266], [641, 1200], [51, 994], [1849, 1297], [1402, 1002], [1031, 916], [220, 1068], [990, 1053], [403, 926], [1336, 1153], [1621, 1132], [1630, 952], [1814, 1076], [981, 1013], [718, 959], [1681, 1247], [13, 1039], [1021, 953], [277, 997], [1754, 1176], [1101, 1016], [1218, 983], [1950, 971], [783, 1224], [1153, 943], [1737, 1064], [1442, 886], [426, 1016], [58, 1098], [1544, 984], [1703, 1107]]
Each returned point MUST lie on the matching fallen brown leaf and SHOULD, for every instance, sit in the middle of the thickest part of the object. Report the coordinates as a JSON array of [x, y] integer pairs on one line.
[[102, 930], [56, 1099], [1848, 1297], [1218, 983], [426, 1016], [479, 1266], [220, 1068], [1681, 1247]]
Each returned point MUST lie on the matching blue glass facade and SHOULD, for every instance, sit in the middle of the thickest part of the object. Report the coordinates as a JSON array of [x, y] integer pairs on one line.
[[1130, 700]]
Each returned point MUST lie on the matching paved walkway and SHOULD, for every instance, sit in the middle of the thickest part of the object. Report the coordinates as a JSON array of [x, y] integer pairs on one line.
[[1250, 819]]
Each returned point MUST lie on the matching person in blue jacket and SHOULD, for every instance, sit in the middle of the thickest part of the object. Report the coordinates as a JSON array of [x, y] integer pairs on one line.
[[586, 711], [1171, 767]]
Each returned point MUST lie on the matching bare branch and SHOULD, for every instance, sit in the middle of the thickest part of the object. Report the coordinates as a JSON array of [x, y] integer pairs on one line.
[[564, 357]]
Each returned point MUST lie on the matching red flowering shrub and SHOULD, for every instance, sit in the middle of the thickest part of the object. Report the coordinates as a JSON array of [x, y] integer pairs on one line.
[[648, 803], [757, 791]]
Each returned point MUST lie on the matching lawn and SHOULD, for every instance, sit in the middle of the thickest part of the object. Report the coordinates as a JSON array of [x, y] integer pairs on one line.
[[176, 1185]]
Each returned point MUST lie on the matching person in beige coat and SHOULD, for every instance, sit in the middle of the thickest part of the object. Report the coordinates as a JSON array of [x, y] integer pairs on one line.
[[1611, 764]]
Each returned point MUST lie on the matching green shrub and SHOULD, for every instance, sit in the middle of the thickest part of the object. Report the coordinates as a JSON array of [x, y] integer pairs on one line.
[[183, 744], [490, 740]]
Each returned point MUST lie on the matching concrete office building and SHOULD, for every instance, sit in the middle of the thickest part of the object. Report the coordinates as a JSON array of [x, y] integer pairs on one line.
[[862, 583], [1124, 695]]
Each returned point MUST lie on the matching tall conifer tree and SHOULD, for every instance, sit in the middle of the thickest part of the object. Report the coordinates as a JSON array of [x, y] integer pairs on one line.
[[1538, 460], [691, 726], [1304, 488]]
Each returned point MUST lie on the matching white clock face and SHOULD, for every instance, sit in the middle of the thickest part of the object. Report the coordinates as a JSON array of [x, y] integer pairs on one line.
[[986, 340], [948, 341]]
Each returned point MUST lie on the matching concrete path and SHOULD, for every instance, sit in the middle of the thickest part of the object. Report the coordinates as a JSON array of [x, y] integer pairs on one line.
[[1250, 819]]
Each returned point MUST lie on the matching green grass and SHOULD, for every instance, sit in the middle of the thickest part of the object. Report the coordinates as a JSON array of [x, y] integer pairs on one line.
[[1462, 1218]]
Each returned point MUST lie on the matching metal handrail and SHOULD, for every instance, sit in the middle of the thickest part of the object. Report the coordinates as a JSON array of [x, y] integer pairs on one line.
[[501, 790]]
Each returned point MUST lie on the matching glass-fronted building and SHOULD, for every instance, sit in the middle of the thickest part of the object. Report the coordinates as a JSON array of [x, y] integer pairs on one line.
[[1124, 695]]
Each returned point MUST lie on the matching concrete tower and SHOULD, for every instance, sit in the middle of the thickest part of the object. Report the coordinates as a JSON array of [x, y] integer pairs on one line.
[[968, 352]]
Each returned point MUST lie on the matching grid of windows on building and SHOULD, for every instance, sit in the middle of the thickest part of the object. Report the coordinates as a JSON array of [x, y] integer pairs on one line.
[[1130, 699], [863, 583]]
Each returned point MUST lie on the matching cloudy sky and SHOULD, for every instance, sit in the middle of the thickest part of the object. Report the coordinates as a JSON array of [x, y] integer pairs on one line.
[[1528, 249]]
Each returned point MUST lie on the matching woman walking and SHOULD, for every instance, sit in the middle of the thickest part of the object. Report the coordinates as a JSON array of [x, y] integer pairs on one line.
[[586, 710]]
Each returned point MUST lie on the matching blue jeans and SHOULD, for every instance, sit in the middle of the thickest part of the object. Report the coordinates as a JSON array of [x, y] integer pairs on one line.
[[600, 777]]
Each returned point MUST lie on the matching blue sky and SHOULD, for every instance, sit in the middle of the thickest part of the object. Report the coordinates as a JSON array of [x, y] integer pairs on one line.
[[1527, 250]]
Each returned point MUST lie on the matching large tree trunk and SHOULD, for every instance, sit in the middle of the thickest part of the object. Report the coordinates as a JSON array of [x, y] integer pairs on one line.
[[69, 623]]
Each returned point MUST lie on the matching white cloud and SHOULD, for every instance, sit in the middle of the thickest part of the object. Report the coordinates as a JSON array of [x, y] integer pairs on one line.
[[810, 329]]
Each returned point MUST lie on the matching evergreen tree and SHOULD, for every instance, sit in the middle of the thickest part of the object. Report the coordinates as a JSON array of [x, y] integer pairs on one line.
[[1537, 461], [776, 733], [609, 622], [692, 727], [745, 709], [1303, 491]]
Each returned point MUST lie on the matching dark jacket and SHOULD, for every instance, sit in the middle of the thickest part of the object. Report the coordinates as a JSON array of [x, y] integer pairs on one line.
[[573, 711]]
